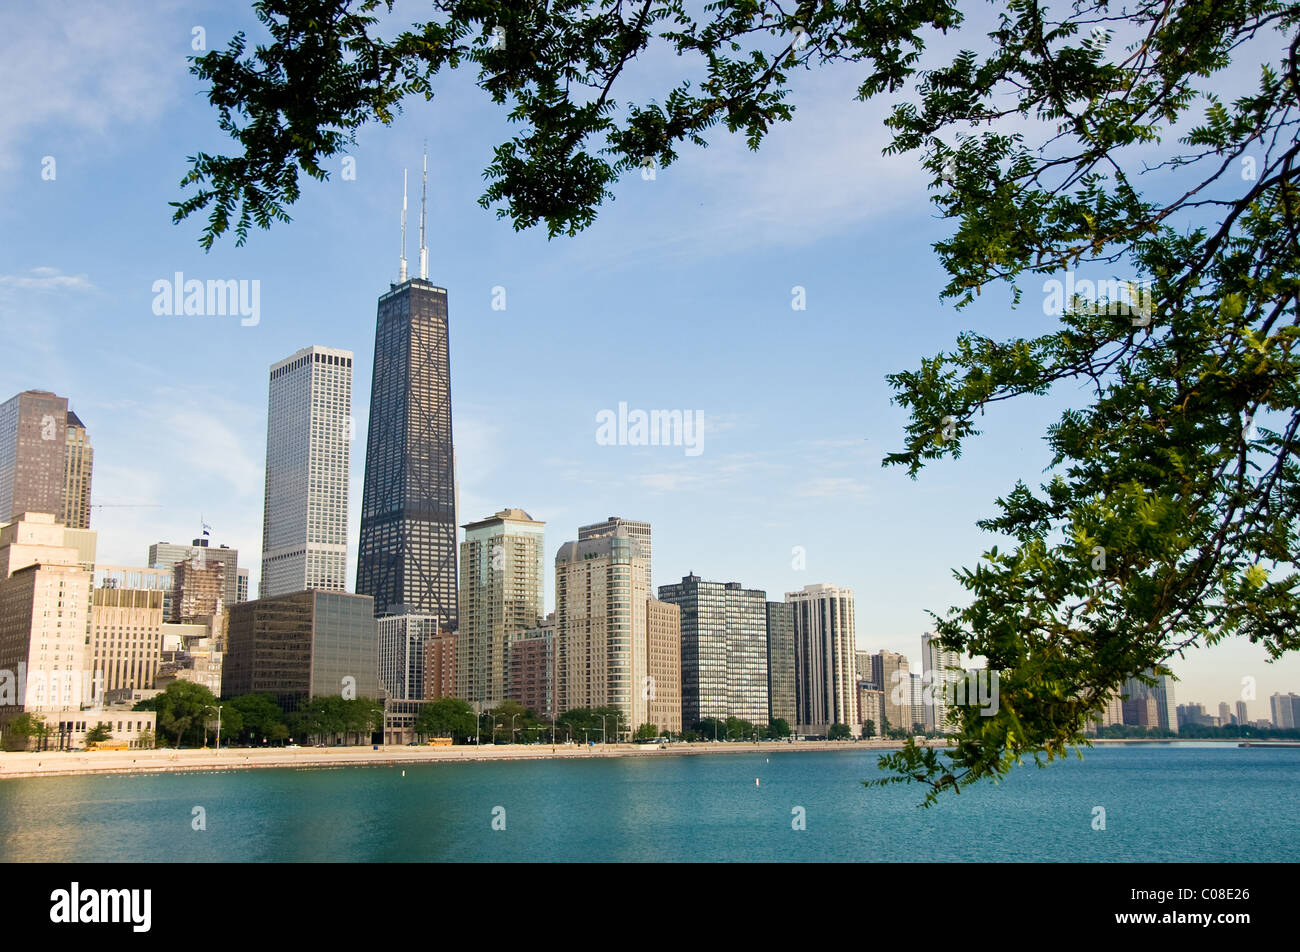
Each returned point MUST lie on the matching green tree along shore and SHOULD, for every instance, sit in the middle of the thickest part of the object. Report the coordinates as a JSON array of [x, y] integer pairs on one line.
[[1085, 138]]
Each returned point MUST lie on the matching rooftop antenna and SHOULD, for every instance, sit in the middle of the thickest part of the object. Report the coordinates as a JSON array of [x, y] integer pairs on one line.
[[424, 252], [402, 279]]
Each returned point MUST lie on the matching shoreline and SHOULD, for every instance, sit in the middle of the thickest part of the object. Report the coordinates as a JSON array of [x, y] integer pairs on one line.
[[28, 764]]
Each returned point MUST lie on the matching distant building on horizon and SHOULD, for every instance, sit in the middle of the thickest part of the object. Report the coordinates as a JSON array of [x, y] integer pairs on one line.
[[941, 668], [1285, 710], [308, 448]]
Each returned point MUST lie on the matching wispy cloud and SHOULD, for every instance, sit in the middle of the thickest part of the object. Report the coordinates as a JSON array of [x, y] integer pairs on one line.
[[46, 279]]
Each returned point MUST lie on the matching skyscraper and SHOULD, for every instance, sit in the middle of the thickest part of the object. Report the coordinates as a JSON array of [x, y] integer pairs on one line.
[[940, 667], [891, 674], [724, 649], [33, 454], [600, 625], [501, 592], [166, 555], [826, 682], [780, 662], [640, 531], [402, 654], [78, 467], [663, 666], [305, 513], [406, 556]]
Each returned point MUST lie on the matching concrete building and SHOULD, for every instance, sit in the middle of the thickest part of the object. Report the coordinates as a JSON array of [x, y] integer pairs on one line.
[[308, 447], [308, 644], [165, 555], [45, 619], [600, 625], [530, 669], [1242, 718], [78, 470], [126, 637], [724, 649], [871, 706], [501, 592], [640, 531], [1284, 708], [33, 454], [198, 588], [664, 666], [440, 666], [891, 673], [406, 556], [1161, 713], [241, 585], [826, 681], [941, 669], [193, 651], [780, 663], [402, 656]]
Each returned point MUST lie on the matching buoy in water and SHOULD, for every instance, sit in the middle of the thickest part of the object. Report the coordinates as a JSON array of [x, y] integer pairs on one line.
[[756, 781], [403, 773]]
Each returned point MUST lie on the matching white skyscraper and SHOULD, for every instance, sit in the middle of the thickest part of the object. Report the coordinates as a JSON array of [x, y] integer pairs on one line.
[[937, 665], [825, 662], [308, 440]]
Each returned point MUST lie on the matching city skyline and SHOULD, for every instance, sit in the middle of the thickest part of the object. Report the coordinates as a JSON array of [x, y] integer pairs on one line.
[[813, 445]]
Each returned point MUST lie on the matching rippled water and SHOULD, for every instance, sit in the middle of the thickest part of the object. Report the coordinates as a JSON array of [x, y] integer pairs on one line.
[[1182, 802]]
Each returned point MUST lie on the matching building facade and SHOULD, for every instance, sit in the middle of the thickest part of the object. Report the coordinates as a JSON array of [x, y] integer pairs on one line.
[[198, 588], [402, 654], [891, 674], [600, 625], [440, 666], [530, 665], [165, 555], [126, 637], [780, 663], [664, 666], [501, 592], [33, 454], [724, 649], [78, 470], [308, 644], [826, 681], [941, 669], [308, 448], [640, 531], [407, 552]]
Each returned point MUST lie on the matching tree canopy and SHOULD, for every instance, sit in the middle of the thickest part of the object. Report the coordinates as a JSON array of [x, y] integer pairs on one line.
[[1145, 156]]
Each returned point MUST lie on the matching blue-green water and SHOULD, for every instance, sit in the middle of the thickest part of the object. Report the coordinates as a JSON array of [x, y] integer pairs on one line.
[[1162, 803]]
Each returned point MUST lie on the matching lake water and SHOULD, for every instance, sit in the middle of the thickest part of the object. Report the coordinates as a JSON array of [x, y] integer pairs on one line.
[[1184, 802]]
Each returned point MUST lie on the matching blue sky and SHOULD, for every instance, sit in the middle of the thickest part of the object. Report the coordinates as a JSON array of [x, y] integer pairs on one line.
[[679, 297]]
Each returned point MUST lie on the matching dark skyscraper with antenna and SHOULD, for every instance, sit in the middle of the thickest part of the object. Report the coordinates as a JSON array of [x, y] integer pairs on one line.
[[407, 553]]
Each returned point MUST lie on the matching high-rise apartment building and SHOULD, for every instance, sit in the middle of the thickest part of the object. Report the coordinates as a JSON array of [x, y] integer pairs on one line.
[[407, 552], [640, 531], [780, 662], [308, 446], [1284, 708], [891, 673], [941, 667], [440, 666], [600, 625], [45, 616], [724, 649], [501, 591], [871, 707], [826, 681], [78, 469], [530, 669], [663, 666], [402, 654], [1242, 717], [304, 645], [33, 454]]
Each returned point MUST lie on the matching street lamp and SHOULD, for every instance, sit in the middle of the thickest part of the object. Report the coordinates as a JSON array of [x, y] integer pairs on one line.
[[603, 738], [512, 727]]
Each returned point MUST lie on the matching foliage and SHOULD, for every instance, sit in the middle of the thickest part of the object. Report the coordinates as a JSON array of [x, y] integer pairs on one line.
[[839, 732], [99, 732], [258, 715], [20, 730], [586, 722], [869, 729], [446, 717], [330, 715], [778, 728], [646, 732], [181, 709]]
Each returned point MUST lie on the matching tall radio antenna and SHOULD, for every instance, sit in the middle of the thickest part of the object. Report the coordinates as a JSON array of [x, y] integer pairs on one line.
[[402, 280], [424, 252]]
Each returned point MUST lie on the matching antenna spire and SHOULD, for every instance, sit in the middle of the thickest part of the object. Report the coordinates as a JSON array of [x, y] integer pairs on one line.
[[424, 251], [402, 279]]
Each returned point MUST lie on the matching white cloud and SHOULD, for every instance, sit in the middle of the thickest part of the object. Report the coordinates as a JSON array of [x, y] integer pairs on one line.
[[46, 279], [832, 487]]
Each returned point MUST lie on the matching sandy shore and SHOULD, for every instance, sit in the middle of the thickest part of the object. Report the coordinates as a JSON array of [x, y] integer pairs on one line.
[[64, 764]]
